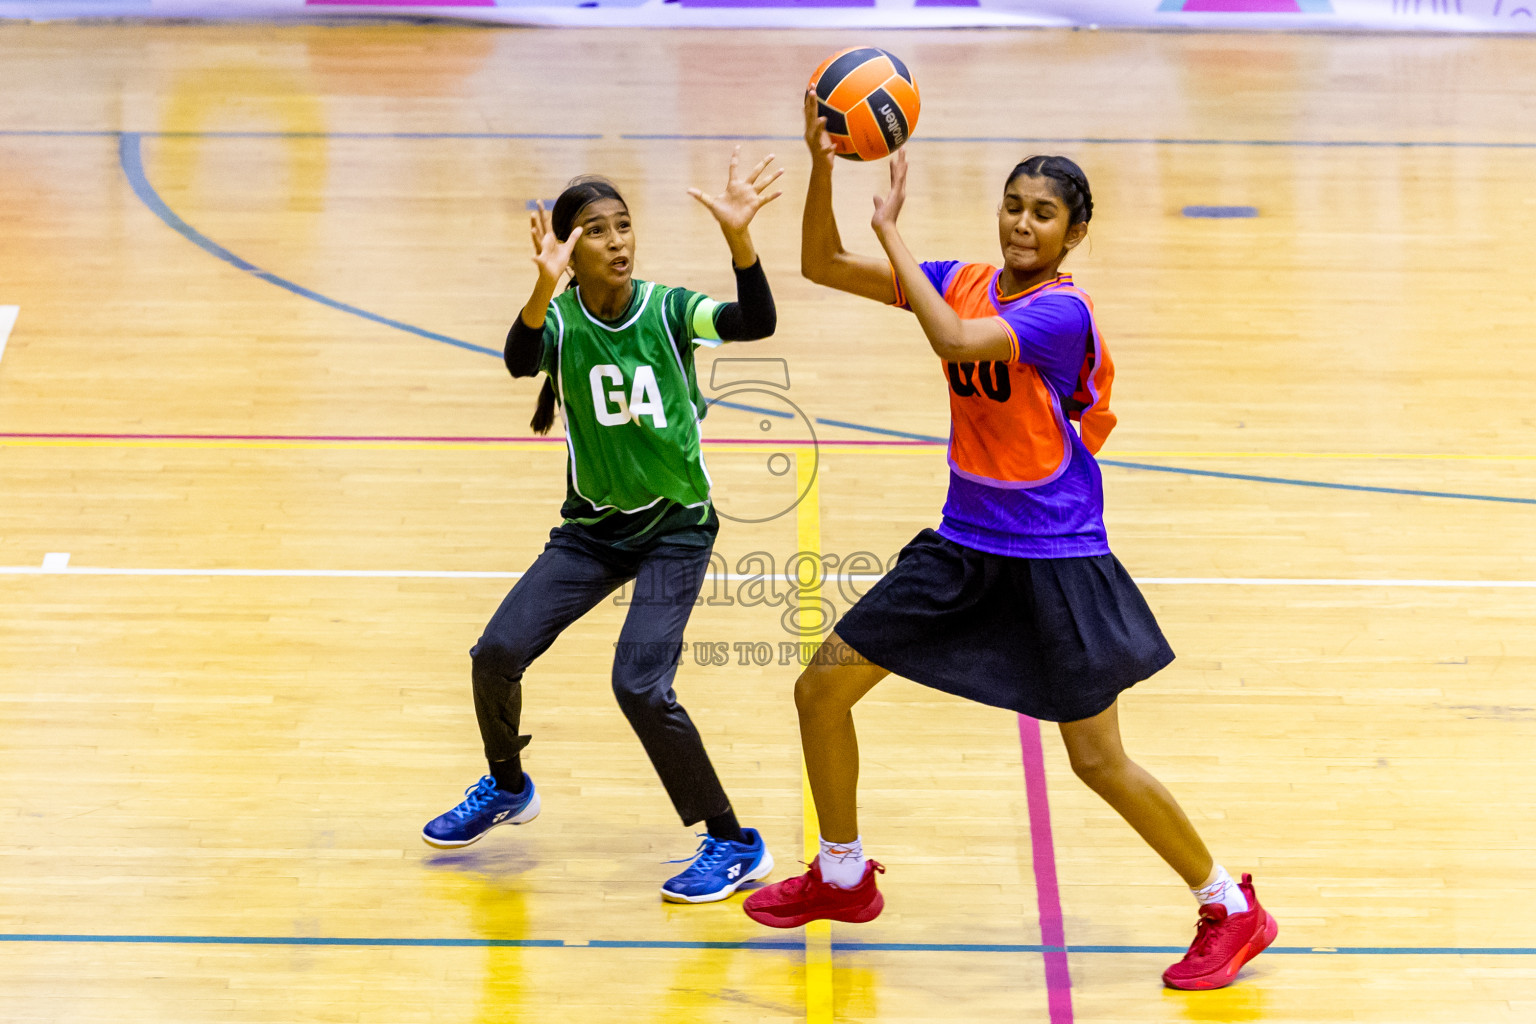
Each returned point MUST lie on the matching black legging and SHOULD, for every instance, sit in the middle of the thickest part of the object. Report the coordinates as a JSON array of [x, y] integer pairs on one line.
[[566, 581]]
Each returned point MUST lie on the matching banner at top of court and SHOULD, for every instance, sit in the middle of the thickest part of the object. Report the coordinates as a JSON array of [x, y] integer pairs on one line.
[[1310, 15]]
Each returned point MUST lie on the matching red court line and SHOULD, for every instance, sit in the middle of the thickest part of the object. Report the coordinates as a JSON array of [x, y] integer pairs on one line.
[[1053, 934], [427, 439]]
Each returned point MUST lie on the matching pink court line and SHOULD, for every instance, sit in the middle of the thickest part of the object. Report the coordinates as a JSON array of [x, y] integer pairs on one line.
[[1053, 934], [426, 439]]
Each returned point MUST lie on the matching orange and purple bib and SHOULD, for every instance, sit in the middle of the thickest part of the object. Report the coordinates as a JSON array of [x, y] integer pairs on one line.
[[1023, 481]]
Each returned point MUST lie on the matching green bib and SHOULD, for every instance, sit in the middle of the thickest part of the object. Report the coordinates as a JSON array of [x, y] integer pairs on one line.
[[630, 399]]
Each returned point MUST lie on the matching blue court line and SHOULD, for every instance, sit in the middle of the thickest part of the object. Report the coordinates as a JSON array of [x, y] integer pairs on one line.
[[749, 944], [1106, 141], [705, 137], [57, 133], [408, 136], [131, 156], [1221, 212], [972, 947], [760, 410], [130, 151], [1255, 478], [101, 133], [278, 940]]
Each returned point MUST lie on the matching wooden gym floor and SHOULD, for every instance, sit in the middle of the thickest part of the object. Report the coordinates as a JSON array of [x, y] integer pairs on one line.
[[262, 482]]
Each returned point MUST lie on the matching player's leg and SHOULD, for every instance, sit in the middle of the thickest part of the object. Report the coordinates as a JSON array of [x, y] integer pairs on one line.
[[837, 678], [644, 667], [841, 884], [564, 583], [1099, 759], [1233, 927]]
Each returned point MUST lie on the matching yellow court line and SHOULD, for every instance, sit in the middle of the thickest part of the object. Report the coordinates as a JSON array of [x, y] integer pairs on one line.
[[818, 934]]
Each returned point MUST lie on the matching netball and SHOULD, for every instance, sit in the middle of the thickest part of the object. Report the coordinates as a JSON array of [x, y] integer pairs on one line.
[[869, 99]]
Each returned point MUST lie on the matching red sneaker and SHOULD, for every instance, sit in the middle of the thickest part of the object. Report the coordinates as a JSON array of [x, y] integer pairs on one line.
[[794, 901], [1223, 943]]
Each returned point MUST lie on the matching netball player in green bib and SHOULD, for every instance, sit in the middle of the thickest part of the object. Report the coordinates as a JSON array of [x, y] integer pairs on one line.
[[618, 357]]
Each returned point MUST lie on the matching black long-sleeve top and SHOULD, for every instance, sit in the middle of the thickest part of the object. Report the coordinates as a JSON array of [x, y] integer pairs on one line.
[[750, 318]]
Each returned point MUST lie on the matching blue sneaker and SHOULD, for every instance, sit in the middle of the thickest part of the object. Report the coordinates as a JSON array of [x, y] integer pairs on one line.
[[719, 868], [482, 809]]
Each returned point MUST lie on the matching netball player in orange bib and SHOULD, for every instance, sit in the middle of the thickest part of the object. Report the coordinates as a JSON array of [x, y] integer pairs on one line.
[[1015, 600]]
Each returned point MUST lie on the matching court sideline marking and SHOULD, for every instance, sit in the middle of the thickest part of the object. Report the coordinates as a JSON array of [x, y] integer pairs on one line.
[[131, 159], [1026, 948], [1053, 933]]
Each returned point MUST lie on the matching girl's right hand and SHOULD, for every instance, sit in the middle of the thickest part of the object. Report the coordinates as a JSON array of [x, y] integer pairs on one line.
[[888, 207], [816, 137], [550, 255]]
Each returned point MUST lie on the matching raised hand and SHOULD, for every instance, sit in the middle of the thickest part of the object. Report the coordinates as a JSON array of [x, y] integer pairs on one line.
[[889, 207], [816, 137], [743, 196], [550, 255]]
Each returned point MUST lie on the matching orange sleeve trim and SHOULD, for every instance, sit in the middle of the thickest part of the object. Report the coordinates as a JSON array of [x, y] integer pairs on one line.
[[901, 296], [1013, 338]]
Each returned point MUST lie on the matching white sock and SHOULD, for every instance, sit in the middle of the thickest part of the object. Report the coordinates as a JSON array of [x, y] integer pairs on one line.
[[1222, 890], [842, 864]]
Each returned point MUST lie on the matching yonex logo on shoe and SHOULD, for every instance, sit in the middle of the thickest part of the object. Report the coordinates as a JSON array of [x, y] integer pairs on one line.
[[735, 870], [501, 816]]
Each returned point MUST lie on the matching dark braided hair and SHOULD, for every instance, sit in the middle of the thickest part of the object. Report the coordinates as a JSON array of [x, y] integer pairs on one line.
[[580, 193], [1070, 182]]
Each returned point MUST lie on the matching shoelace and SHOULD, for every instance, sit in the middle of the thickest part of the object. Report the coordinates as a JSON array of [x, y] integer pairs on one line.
[[711, 852], [475, 798], [1205, 934], [800, 883]]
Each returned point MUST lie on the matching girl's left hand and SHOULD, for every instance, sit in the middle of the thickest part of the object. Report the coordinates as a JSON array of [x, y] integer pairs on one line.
[[743, 196], [888, 208]]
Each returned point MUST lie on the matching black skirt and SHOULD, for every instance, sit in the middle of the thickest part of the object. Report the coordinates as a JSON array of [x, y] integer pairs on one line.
[[1054, 638]]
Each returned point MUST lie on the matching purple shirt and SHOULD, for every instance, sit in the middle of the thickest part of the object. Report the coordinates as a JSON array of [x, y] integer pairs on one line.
[[1060, 518]]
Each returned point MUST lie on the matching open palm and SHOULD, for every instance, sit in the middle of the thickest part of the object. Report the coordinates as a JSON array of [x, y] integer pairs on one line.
[[744, 195], [551, 255]]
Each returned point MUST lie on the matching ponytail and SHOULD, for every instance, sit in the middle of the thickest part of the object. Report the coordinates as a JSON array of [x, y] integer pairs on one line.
[[544, 415]]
